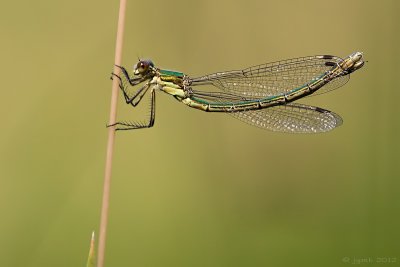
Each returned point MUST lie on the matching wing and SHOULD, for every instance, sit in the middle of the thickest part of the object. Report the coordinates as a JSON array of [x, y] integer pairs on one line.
[[274, 78], [291, 118]]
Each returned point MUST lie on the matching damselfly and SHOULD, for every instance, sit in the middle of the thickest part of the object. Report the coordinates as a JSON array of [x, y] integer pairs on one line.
[[261, 95]]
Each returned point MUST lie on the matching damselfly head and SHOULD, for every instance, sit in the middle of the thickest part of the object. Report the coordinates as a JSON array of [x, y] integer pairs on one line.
[[143, 67]]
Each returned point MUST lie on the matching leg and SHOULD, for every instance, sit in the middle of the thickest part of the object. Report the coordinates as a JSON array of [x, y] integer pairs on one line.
[[132, 126], [132, 82], [137, 97]]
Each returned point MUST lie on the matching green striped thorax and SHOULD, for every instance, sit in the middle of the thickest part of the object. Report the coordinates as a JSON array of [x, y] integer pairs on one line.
[[145, 68]]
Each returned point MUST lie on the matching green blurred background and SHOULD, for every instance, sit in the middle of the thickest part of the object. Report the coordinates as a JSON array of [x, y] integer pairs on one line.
[[198, 189]]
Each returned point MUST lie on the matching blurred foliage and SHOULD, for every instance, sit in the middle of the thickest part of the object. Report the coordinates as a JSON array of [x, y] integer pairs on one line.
[[198, 189]]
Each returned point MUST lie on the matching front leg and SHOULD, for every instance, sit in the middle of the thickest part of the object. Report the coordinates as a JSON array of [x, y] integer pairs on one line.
[[122, 85], [132, 81]]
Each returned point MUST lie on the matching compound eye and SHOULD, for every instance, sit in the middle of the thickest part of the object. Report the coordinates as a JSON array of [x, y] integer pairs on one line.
[[143, 67]]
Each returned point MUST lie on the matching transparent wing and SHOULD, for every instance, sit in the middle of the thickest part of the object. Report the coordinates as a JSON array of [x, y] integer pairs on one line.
[[275, 78], [291, 118]]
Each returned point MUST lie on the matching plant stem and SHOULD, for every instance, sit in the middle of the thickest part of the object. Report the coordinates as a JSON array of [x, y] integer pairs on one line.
[[111, 137], [91, 260]]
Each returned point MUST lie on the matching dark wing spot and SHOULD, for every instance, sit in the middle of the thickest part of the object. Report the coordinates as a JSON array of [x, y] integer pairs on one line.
[[321, 110], [330, 63]]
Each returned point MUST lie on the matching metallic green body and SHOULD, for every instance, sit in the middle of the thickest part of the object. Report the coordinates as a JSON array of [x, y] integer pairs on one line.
[[171, 73]]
